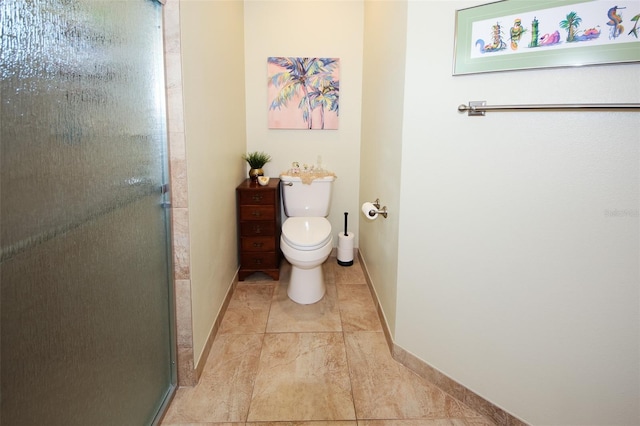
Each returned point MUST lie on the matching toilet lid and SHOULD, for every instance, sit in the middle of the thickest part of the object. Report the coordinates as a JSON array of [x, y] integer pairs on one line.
[[306, 233]]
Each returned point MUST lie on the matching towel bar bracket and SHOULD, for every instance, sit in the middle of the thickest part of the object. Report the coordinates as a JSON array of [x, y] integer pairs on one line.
[[473, 111]]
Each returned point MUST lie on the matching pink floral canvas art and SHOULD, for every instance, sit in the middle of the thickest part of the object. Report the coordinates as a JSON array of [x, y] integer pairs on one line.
[[303, 93]]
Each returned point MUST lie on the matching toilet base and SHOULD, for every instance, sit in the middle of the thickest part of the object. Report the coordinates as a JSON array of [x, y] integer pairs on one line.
[[306, 286]]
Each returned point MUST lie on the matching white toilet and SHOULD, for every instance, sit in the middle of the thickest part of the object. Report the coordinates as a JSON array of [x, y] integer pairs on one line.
[[306, 239]]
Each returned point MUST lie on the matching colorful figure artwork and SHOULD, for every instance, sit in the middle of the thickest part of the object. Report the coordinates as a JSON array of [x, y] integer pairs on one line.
[[571, 24], [516, 33], [634, 30], [303, 93], [615, 22], [558, 28], [496, 41]]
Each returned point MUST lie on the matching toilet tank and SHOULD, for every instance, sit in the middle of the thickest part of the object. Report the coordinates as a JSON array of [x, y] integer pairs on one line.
[[306, 200]]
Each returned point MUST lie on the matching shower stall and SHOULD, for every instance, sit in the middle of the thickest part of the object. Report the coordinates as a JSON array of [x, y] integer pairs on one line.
[[86, 309]]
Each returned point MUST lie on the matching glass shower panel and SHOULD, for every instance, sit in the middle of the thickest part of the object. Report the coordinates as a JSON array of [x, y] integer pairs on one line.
[[85, 307]]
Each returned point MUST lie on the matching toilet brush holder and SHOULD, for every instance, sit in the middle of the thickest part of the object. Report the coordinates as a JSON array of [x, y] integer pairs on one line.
[[345, 245]]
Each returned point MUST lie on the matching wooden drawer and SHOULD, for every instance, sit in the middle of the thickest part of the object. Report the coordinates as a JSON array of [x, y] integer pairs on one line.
[[257, 212], [257, 197], [258, 244], [259, 260], [257, 229]]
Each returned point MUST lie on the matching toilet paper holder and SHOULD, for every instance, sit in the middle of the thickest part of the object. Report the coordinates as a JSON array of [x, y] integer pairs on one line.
[[382, 212]]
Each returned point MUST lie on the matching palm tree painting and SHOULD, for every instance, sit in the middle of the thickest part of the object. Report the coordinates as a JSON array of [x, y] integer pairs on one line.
[[571, 23], [304, 93]]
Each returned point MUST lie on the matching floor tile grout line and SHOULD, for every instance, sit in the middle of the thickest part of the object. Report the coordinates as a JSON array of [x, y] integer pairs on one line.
[[274, 292], [346, 352], [344, 343], [346, 355], [264, 333], [255, 377]]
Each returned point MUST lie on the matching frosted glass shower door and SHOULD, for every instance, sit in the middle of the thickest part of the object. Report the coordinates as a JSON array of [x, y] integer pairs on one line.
[[85, 308]]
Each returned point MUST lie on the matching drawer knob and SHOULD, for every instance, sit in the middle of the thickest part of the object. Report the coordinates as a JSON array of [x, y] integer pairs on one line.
[[257, 229], [257, 197], [256, 213], [257, 261], [258, 244]]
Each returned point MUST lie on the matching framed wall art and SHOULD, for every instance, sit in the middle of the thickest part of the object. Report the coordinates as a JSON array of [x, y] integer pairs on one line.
[[303, 93], [511, 35]]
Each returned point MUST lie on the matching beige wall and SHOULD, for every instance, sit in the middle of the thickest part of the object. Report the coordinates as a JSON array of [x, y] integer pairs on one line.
[[309, 29], [513, 278], [213, 73], [380, 153]]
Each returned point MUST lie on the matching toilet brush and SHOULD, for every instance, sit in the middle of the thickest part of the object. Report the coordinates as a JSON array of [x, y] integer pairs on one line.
[[345, 246], [345, 223]]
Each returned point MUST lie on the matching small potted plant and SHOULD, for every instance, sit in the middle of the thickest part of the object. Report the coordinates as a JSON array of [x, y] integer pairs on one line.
[[256, 161]]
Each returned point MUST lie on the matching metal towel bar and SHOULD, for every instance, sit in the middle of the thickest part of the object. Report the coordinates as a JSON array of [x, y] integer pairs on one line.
[[478, 108]]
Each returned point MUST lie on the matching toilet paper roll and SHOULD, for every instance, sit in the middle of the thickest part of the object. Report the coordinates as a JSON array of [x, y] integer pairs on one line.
[[345, 248], [366, 208]]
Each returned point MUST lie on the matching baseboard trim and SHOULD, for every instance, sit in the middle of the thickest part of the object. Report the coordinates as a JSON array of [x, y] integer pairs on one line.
[[214, 330], [439, 379]]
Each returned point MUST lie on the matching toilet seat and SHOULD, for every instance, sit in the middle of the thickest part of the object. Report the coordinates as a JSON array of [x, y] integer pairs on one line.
[[306, 233]]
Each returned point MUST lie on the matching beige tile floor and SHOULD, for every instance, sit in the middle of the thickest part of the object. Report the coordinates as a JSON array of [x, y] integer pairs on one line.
[[277, 363]]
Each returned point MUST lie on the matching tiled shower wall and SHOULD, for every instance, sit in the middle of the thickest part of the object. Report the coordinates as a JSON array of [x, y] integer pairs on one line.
[[187, 375]]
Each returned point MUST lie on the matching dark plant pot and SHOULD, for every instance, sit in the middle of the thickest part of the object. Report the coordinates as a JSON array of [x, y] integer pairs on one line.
[[254, 173]]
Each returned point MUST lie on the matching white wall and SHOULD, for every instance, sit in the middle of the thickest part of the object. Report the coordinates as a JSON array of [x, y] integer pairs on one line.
[[381, 150], [515, 276], [213, 71], [307, 28]]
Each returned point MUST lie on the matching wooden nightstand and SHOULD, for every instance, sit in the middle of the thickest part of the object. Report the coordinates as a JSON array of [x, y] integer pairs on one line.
[[258, 210]]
